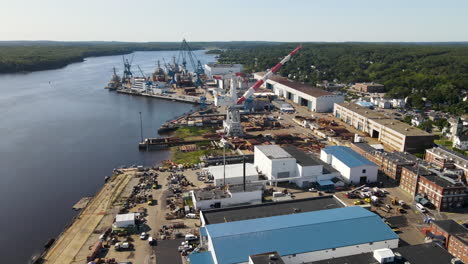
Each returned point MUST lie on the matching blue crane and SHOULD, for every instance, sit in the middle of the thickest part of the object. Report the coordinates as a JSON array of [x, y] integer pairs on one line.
[[187, 52]]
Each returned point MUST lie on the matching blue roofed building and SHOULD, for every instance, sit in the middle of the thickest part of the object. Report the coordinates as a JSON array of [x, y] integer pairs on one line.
[[353, 167], [297, 238]]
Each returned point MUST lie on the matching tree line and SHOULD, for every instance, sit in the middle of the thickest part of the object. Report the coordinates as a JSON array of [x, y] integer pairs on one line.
[[435, 73]]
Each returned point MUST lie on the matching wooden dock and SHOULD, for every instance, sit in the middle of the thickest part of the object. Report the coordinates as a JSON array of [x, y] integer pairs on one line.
[[82, 203]]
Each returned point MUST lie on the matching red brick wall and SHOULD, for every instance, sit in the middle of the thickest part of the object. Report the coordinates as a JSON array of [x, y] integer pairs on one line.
[[458, 249]]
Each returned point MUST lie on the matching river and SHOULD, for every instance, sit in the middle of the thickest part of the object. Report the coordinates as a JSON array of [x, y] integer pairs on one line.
[[61, 133]]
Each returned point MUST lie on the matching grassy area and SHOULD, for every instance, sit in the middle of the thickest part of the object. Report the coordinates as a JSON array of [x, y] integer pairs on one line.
[[443, 142], [187, 132], [191, 157]]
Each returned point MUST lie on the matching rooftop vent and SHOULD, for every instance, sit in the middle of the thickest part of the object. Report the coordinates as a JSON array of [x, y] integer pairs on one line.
[[273, 257]]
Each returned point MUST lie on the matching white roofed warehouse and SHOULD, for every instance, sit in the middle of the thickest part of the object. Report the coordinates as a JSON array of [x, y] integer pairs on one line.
[[353, 167], [315, 99], [234, 174]]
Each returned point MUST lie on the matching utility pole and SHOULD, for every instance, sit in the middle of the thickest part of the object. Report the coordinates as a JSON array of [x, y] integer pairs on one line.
[[224, 161], [141, 128]]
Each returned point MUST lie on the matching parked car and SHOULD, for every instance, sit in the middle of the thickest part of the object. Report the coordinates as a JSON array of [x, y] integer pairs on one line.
[[421, 208], [312, 190], [358, 202], [152, 241], [143, 236]]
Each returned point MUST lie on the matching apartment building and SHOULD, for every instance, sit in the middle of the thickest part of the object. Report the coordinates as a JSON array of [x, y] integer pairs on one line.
[[442, 191], [456, 237], [395, 135], [369, 87], [447, 159]]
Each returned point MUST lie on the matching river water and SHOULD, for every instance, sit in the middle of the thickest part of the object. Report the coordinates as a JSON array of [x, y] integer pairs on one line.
[[59, 140]]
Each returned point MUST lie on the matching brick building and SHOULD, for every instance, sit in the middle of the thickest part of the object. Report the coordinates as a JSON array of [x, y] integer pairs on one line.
[[456, 237], [447, 159], [369, 87], [390, 163], [442, 191]]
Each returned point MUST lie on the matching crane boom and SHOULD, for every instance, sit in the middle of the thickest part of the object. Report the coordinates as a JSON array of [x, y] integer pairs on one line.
[[267, 76]]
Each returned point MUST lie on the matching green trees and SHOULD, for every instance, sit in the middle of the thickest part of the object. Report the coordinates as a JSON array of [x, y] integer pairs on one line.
[[437, 72]]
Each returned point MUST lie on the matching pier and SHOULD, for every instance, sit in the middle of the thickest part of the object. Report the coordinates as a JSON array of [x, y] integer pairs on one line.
[[174, 97]]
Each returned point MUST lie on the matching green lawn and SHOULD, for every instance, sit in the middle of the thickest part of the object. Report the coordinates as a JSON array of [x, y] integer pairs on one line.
[[187, 132], [192, 157]]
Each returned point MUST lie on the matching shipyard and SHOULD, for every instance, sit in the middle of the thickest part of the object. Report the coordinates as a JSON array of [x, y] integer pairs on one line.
[[260, 147]]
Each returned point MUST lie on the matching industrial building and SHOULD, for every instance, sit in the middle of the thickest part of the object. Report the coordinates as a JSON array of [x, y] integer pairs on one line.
[[245, 212], [224, 197], [221, 69], [353, 167], [315, 99], [369, 87], [291, 164], [298, 237], [394, 134], [390, 163], [416, 254], [233, 173]]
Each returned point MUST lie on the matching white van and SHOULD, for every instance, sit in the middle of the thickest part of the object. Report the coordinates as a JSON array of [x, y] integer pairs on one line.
[[421, 208]]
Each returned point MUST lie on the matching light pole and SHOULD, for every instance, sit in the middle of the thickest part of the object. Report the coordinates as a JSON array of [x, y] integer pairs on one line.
[[141, 127]]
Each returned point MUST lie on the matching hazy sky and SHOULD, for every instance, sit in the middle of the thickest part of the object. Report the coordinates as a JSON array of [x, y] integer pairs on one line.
[[210, 20]]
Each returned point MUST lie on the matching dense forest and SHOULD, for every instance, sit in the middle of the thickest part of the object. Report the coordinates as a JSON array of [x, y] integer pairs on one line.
[[436, 73], [20, 56]]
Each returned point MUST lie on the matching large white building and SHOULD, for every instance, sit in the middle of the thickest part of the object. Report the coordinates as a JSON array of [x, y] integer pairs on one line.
[[291, 164], [231, 196], [315, 99], [234, 173], [297, 238], [353, 167], [222, 69]]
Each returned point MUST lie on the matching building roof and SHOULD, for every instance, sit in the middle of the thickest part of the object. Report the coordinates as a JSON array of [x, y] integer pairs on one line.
[[274, 151], [459, 159], [239, 213], [348, 156], [450, 226], [125, 217], [385, 120], [312, 231], [416, 254], [302, 158], [305, 88], [232, 170], [267, 258], [201, 258], [220, 193], [365, 104]]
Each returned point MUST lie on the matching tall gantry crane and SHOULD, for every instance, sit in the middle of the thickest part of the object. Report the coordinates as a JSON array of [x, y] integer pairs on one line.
[[187, 52], [232, 124], [127, 74]]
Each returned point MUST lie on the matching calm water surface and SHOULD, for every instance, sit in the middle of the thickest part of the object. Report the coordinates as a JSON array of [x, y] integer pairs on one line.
[[58, 140]]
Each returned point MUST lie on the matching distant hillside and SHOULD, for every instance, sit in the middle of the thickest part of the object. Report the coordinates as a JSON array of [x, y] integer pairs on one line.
[[26, 56]]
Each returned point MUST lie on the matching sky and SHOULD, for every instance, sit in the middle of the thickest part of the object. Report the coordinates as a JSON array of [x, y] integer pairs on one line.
[[235, 20]]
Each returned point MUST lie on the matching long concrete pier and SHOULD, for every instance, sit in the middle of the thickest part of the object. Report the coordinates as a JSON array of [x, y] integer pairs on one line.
[[174, 97]]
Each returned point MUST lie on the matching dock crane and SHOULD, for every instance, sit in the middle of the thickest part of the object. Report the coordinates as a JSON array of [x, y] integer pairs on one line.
[[187, 52], [232, 124], [127, 74]]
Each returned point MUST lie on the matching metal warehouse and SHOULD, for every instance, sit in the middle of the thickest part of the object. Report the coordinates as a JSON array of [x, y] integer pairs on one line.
[[298, 238], [315, 99]]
